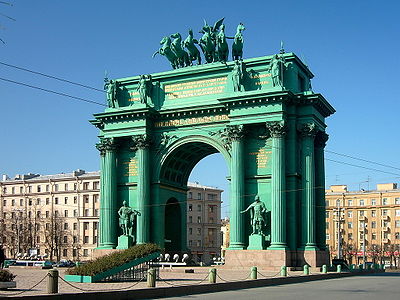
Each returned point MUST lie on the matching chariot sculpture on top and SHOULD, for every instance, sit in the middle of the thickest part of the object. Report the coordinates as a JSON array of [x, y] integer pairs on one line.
[[213, 44]]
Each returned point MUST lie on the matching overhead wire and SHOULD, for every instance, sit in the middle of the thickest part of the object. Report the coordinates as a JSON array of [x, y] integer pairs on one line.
[[51, 91], [51, 76]]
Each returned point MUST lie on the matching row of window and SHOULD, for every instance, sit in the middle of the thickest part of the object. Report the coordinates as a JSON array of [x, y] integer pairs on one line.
[[211, 208], [361, 213], [37, 226], [385, 236], [200, 196], [38, 201], [373, 224], [364, 202], [56, 187], [86, 213]]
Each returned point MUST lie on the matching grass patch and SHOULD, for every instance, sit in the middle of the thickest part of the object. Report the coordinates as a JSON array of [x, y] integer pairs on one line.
[[116, 259]]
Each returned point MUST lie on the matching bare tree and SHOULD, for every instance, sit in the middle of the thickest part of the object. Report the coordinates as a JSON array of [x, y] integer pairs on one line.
[[56, 236]]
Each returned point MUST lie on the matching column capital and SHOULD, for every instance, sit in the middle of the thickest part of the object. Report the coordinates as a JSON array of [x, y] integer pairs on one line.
[[229, 134], [321, 138], [106, 144], [277, 128], [308, 129], [140, 141]]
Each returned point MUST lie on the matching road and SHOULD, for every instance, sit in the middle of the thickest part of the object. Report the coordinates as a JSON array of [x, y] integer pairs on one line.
[[378, 286]]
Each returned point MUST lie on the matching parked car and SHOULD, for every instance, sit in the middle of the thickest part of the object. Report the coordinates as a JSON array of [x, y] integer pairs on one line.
[[342, 262], [65, 264]]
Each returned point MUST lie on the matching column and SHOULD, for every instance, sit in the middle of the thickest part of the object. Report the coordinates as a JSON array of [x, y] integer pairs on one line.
[[308, 132], [278, 185], [235, 135], [320, 143], [141, 144], [108, 204]]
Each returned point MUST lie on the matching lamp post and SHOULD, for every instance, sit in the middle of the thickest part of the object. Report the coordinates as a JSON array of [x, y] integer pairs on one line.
[[363, 232]]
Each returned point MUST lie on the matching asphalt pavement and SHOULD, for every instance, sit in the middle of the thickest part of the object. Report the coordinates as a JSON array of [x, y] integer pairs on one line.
[[368, 287]]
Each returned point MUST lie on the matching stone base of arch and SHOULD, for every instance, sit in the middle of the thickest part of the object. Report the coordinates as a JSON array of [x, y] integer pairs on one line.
[[274, 259]]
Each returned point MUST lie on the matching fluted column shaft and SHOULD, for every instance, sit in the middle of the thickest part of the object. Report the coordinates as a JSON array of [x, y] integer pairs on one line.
[[108, 204], [237, 240], [308, 177], [141, 145], [278, 186]]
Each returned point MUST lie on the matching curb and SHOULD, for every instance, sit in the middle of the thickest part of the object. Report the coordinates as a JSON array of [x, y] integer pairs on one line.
[[163, 292]]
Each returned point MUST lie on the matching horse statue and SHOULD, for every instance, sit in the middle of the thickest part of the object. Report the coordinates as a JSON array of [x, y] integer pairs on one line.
[[237, 46], [222, 45], [176, 46], [189, 44], [208, 40], [166, 51]]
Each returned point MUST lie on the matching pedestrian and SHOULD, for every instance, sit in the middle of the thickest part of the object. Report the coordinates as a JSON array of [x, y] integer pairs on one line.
[[2, 257]]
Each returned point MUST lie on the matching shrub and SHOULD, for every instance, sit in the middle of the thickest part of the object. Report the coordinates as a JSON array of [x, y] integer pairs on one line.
[[113, 260], [6, 276]]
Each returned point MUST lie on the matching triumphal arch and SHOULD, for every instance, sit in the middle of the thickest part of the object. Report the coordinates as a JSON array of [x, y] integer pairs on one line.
[[260, 113]]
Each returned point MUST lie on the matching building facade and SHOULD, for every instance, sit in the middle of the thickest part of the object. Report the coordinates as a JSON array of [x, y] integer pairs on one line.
[[52, 216], [364, 222], [57, 216], [203, 222]]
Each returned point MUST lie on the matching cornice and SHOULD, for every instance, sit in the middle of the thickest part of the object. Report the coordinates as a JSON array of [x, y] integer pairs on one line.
[[319, 102]]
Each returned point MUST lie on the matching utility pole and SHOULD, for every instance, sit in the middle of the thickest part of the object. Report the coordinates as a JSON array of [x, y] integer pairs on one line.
[[339, 220]]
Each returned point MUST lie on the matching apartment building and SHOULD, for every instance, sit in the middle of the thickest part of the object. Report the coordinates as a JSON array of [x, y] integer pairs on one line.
[[365, 222], [204, 222], [53, 216]]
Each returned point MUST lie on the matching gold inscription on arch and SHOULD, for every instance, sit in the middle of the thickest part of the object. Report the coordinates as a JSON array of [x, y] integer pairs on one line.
[[262, 157], [130, 167], [195, 88], [191, 121]]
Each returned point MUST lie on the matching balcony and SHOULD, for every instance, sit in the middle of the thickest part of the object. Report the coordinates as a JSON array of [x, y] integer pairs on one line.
[[362, 218]]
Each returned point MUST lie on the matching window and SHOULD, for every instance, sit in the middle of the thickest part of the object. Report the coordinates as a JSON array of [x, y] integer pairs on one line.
[[75, 239], [56, 187], [94, 239], [4, 202], [190, 242], [362, 202], [21, 190], [65, 239], [338, 202], [74, 252], [397, 212], [66, 213], [85, 225], [397, 223], [211, 208], [56, 213], [190, 196], [350, 214], [326, 202], [95, 225], [198, 243], [38, 239], [65, 226], [38, 188], [47, 226], [65, 252], [384, 201], [86, 198], [86, 212], [47, 214], [13, 190], [190, 207], [385, 235], [21, 202], [350, 236], [190, 230], [385, 223], [66, 187], [211, 220], [47, 201], [38, 214], [373, 213], [38, 201], [384, 212], [397, 201], [328, 237], [95, 198], [85, 252], [66, 200], [397, 235], [199, 196], [96, 212], [13, 202], [47, 188], [198, 231], [86, 185], [327, 214], [373, 224], [373, 201], [55, 200], [190, 219], [75, 226], [96, 185], [350, 202], [373, 236], [86, 239], [75, 200], [29, 189], [362, 213], [198, 219], [198, 207], [211, 196], [30, 202], [75, 186], [75, 212], [349, 225], [327, 225]]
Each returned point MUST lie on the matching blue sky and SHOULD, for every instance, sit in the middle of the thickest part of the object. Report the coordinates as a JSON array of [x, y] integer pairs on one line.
[[352, 47]]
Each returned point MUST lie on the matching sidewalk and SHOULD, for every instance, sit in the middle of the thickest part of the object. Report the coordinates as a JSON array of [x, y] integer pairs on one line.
[[28, 277]]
